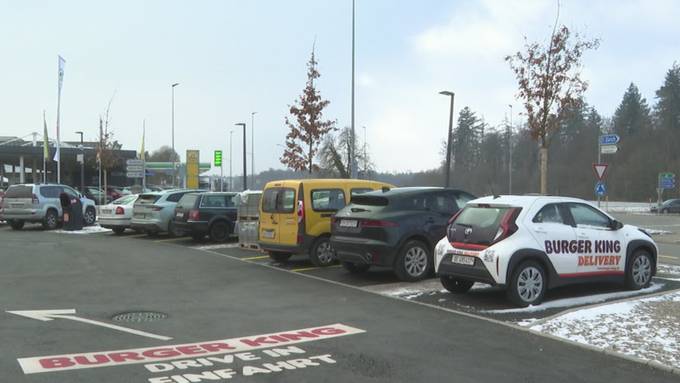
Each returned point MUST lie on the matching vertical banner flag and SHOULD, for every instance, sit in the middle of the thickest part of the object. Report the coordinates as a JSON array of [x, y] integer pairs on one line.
[[61, 80], [192, 169]]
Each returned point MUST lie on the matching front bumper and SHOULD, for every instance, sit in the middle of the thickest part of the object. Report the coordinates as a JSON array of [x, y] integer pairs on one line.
[[363, 251]]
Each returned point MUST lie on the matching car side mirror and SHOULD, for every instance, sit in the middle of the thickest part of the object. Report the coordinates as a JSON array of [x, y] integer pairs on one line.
[[616, 225]]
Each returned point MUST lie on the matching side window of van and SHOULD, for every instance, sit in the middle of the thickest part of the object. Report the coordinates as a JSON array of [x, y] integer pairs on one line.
[[328, 199], [287, 201]]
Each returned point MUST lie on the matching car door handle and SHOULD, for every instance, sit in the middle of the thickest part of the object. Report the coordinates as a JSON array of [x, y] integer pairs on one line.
[[541, 230], [582, 235]]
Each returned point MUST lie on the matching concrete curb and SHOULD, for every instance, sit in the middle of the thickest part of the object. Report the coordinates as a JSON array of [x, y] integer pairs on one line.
[[649, 363]]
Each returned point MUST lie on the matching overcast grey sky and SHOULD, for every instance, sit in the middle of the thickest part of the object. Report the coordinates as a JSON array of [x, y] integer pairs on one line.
[[235, 57]]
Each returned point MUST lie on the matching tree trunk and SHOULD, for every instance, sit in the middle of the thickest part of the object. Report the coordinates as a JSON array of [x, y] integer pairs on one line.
[[543, 167]]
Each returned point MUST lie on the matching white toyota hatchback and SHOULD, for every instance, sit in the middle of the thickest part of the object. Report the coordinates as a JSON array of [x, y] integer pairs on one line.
[[528, 244]]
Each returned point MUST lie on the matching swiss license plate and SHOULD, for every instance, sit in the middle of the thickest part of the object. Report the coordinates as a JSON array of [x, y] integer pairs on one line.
[[106, 211], [139, 215], [179, 215], [269, 234], [463, 260], [349, 223]]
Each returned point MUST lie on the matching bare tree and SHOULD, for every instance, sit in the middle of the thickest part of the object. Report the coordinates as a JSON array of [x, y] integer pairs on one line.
[[549, 80]]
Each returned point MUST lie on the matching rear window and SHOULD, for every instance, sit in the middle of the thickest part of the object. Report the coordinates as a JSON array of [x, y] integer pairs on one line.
[[128, 199], [188, 201], [328, 199], [278, 200], [481, 217], [19, 191], [148, 199], [370, 200]]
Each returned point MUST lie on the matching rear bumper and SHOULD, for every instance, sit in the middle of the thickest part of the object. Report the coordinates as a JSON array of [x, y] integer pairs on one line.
[[191, 227], [29, 215], [147, 225], [474, 273], [292, 249], [110, 222], [363, 251]]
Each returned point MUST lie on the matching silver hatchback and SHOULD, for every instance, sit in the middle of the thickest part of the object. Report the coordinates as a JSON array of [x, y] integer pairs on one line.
[[40, 203]]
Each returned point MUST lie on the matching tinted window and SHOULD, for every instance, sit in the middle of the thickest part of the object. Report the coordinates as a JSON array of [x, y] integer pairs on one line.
[[328, 199], [588, 216], [278, 200], [549, 214], [481, 217], [20, 191], [217, 201], [443, 203], [50, 191], [187, 201], [411, 202], [148, 199], [175, 197], [358, 191]]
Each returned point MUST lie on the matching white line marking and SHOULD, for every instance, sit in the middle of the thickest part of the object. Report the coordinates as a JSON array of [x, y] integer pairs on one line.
[[48, 315]]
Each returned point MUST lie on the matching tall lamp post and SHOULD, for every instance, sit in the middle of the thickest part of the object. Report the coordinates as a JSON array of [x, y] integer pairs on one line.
[[352, 157], [447, 170], [174, 166], [510, 152], [252, 147], [245, 165], [231, 137], [82, 163]]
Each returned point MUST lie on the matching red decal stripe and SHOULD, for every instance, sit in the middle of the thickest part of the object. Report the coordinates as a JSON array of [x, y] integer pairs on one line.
[[468, 246], [592, 274]]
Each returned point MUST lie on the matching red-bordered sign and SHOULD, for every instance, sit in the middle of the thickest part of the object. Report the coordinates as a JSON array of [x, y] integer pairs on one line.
[[600, 170]]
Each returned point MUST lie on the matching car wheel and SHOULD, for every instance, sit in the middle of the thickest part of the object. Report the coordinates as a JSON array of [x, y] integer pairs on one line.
[[197, 236], [90, 216], [455, 285], [528, 284], [279, 256], [16, 225], [414, 262], [322, 253], [356, 268], [664, 211], [219, 231], [118, 230], [51, 221], [639, 272]]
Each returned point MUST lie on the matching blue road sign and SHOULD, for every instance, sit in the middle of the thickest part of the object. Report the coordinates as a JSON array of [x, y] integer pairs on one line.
[[609, 139], [600, 189], [668, 183]]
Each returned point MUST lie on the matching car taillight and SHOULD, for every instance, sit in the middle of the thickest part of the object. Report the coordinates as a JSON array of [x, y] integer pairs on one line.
[[507, 226], [34, 199], [378, 223], [301, 211], [120, 210], [194, 215], [156, 208]]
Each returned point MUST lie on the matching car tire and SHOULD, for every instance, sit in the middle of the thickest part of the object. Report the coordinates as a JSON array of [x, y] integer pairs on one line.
[[639, 271], [414, 262], [528, 284], [219, 231], [51, 220], [118, 230], [322, 253], [197, 236], [16, 225], [279, 256], [664, 211], [455, 285], [356, 268], [90, 216]]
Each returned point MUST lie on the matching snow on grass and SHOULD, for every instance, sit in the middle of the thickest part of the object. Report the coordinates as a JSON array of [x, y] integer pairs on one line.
[[86, 230], [647, 328], [656, 231], [662, 268], [578, 301]]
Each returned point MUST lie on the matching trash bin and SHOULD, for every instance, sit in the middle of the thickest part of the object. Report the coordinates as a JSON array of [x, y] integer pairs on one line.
[[73, 212]]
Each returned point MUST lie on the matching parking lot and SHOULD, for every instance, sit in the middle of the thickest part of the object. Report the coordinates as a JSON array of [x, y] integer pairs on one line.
[[215, 312]]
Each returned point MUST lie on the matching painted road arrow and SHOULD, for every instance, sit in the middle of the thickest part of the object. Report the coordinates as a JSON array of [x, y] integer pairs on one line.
[[48, 315]]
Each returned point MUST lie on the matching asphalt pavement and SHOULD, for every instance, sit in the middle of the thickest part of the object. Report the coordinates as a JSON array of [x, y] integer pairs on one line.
[[232, 315]]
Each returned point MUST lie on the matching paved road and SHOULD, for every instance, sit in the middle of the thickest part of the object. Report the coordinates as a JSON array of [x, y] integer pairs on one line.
[[216, 303], [668, 228]]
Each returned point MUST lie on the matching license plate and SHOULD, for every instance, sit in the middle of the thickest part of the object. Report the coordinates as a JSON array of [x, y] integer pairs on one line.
[[269, 234], [16, 205], [179, 215], [463, 260], [348, 223], [139, 215], [106, 211]]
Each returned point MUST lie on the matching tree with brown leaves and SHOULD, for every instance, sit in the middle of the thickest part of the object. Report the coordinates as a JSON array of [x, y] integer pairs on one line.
[[307, 128], [550, 83]]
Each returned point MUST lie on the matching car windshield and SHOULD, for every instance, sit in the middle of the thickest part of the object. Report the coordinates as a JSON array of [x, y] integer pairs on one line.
[[126, 200]]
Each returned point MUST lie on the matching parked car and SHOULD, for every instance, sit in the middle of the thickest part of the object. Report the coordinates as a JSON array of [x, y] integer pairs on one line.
[[117, 215], [668, 206], [40, 203], [528, 244], [97, 195], [153, 212], [295, 215], [397, 228], [212, 214], [113, 192]]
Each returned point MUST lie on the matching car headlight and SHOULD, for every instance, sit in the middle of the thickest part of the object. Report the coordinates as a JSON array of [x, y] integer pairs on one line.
[[489, 255]]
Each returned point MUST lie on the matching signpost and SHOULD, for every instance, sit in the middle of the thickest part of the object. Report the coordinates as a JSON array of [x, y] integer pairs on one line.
[[606, 144], [134, 168], [666, 181], [217, 160]]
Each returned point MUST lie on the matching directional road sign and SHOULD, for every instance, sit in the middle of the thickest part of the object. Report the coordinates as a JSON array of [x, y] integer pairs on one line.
[[134, 162], [139, 174], [600, 170], [134, 168], [600, 189], [609, 139], [608, 149]]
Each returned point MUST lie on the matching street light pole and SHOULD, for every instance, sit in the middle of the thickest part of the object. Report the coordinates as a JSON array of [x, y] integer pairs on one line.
[[174, 166], [82, 164], [252, 147], [365, 158], [510, 152], [231, 136], [245, 165], [447, 170], [353, 162]]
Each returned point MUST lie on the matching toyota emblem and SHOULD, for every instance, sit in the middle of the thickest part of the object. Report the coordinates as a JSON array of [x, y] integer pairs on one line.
[[468, 231]]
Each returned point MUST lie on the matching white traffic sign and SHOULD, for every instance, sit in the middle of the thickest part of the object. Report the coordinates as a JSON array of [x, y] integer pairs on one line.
[[600, 170], [48, 315], [134, 168], [134, 162], [609, 149], [134, 174]]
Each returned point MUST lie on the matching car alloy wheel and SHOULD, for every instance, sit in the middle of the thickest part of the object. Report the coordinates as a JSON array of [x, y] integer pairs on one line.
[[642, 270], [51, 221], [415, 261], [529, 284], [324, 252], [89, 216]]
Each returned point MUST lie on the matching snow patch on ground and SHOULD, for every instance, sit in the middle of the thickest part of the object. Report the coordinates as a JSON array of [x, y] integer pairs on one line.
[[662, 268], [86, 230], [646, 328], [412, 292], [578, 301], [218, 246], [656, 231]]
